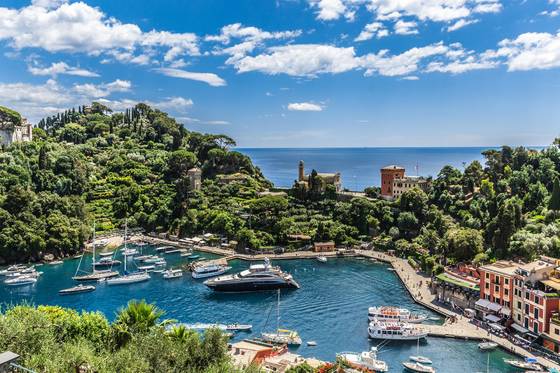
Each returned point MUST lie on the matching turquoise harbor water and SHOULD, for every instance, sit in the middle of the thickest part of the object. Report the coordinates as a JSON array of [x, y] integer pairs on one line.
[[330, 308]]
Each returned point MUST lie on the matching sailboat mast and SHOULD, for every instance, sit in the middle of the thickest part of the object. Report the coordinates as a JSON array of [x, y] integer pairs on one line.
[[278, 313], [125, 257], [93, 243]]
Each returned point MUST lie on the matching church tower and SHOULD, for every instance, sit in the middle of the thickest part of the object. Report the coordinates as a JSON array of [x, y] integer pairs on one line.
[[301, 174]]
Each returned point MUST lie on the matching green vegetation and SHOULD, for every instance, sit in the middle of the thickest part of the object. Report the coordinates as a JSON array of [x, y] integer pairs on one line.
[[12, 115], [55, 339]]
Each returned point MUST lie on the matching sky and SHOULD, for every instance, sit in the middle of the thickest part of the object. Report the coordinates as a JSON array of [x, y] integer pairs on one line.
[[297, 73]]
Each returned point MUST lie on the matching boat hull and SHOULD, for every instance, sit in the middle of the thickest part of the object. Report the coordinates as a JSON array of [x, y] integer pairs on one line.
[[76, 291], [127, 280], [95, 276], [397, 337], [199, 275], [250, 286]]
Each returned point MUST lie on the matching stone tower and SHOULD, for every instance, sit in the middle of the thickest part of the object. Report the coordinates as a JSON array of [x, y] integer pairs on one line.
[[301, 169], [388, 175]]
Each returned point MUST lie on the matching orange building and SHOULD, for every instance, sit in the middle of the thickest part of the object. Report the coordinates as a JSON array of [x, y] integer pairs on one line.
[[388, 175], [323, 246]]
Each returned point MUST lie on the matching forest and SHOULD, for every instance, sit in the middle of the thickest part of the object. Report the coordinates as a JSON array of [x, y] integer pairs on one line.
[[90, 164]]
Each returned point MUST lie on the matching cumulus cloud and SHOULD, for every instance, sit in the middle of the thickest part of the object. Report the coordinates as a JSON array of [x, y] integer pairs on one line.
[[300, 60], [374, 29], [460, 24], [304, 106], [208, 78], [102, 90], [529, 51], [405, 28], [60, 68], [328, 10]]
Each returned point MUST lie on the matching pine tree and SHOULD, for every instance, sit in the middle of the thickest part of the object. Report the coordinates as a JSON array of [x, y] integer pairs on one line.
[[554, 202]]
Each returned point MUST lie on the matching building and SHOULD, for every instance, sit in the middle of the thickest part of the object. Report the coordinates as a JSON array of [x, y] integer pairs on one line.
[[195, 178], [496, 288], [551, 338], [247, 352], [13, 128], [458, 285], [394, 182], [327, 178], [319, 247]]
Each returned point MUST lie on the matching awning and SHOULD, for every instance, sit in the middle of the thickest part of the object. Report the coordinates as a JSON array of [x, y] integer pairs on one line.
[[494, 307], [482, 304], [505, 311], [492, 318], [520, 338], [519, 328], [497, 327]]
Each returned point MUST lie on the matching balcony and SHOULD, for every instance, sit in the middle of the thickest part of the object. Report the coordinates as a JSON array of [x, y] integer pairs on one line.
[[555, 319]]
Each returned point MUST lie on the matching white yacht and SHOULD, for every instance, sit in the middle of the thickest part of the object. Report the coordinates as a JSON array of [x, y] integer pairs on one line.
[[485, 346], [77, 289], [129, 252], [365, 359], [172, 273], [388, 313], [528, 364], [419, 358], [210, 270], [322, 259], [16, 268], [106, 262], [395, 330], [417, 367], [21, 280], [257, 277]]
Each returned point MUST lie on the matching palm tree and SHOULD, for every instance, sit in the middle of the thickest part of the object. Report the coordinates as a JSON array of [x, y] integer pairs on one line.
[[181, 333], [138, 317]]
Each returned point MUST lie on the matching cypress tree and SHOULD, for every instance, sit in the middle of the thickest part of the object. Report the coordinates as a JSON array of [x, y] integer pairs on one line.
[[554, 202]]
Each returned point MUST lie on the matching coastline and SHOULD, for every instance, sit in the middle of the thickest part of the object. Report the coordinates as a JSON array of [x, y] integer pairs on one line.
[[415, 283]]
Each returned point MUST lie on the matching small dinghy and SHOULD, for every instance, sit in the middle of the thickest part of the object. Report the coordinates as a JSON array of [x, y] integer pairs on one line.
[[484, 346], [322, 259], [311, 343], [77, 289]]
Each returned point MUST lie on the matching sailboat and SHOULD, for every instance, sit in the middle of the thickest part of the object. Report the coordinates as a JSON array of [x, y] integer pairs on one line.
[[281, 336], [418, 358], [128, 278], [95, 275]]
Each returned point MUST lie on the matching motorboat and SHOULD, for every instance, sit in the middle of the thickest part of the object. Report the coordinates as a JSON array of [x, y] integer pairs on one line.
[[129, 252], [77, 289], [389, 313], [257, 277], [322, 259], [106, 262], [204, 271], [364, 360], [283, 337], [131, 278], [142, 257], [417, 367], [528, 364], [239, 327], [153, 259], [484, 346], [56, 262], [106, 253], [395, 330], [147, 268], [193, 256], [13, 269], [164, 248], [21, 280], [172, 273]]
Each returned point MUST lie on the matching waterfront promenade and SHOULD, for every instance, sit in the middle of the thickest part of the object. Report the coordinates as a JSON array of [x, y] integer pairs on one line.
[[417, 284]]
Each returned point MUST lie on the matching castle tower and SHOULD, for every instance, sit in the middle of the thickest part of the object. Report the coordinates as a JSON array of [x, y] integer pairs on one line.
[[388, 175], [301, 169]]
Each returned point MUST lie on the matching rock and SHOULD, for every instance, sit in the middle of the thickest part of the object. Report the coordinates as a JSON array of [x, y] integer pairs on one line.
[[48, 257]]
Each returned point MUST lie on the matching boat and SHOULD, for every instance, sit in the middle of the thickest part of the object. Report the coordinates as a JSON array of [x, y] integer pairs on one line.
[[417, 367], [322, 259], [239, 327], [174, 251], [106, 262], [77, 289], [56, 262], [172, 273], [129, 252], [419, 358], [147, 268], [142, 257], [257, 277], [193, 256], [395, 330], [528, 364], [153, 259], [388, 313], [164, 248], [391, 269], [364, 360], [186, 253], [106, 253], [128, 278], [21, 280], [95, 274], [77, 256], [13, 269], [204, 271], [487, 345], [311, 343], [281, 336]]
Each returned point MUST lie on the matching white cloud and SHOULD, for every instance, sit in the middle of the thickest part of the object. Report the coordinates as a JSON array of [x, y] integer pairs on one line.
[[328, 10], [370, 30], [488, 7], [59, 68], [304, 106], [411, 77], [101, 90], [532, 50], [405, 28], [460, 24], [300, 60], [208, 78], [58, 26], [459, 67]]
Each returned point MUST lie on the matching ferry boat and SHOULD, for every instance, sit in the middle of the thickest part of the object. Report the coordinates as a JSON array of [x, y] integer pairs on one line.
[[211, 270], [528, 364], [395, 330], [417, 367], [21, 280], [77, 289], [365, 360], [172, 273], [257, 277], [388, 313]]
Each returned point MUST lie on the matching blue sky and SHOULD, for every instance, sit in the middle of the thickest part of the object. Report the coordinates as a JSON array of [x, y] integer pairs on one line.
[[297, 73]]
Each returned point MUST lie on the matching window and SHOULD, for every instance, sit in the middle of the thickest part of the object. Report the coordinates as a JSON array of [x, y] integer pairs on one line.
[[497, 279], [487, 275], [536, 328], [487, 285], [536, 313], [506, 304], [518, 317], [556, 331], [497, 288], [537, 300], [506, 281], [506, 292], [526, 295], [526, 309], [518, 305]]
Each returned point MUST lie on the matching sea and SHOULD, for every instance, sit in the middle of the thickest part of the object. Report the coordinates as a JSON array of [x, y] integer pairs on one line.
[[330, 308], [359, 167]]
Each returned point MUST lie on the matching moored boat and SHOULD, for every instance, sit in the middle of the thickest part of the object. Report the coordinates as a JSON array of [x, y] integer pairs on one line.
[[56, 262], [106, 262], [395, 330], [417, 367], [77, 289], [96, 276], [528, 364], [131, 278], [389, 313], [21, 280], [204, 271], [283, 337], [172, 273], [106, 253], [322, 259], [364, 360], [487, 345], [257, 277]]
